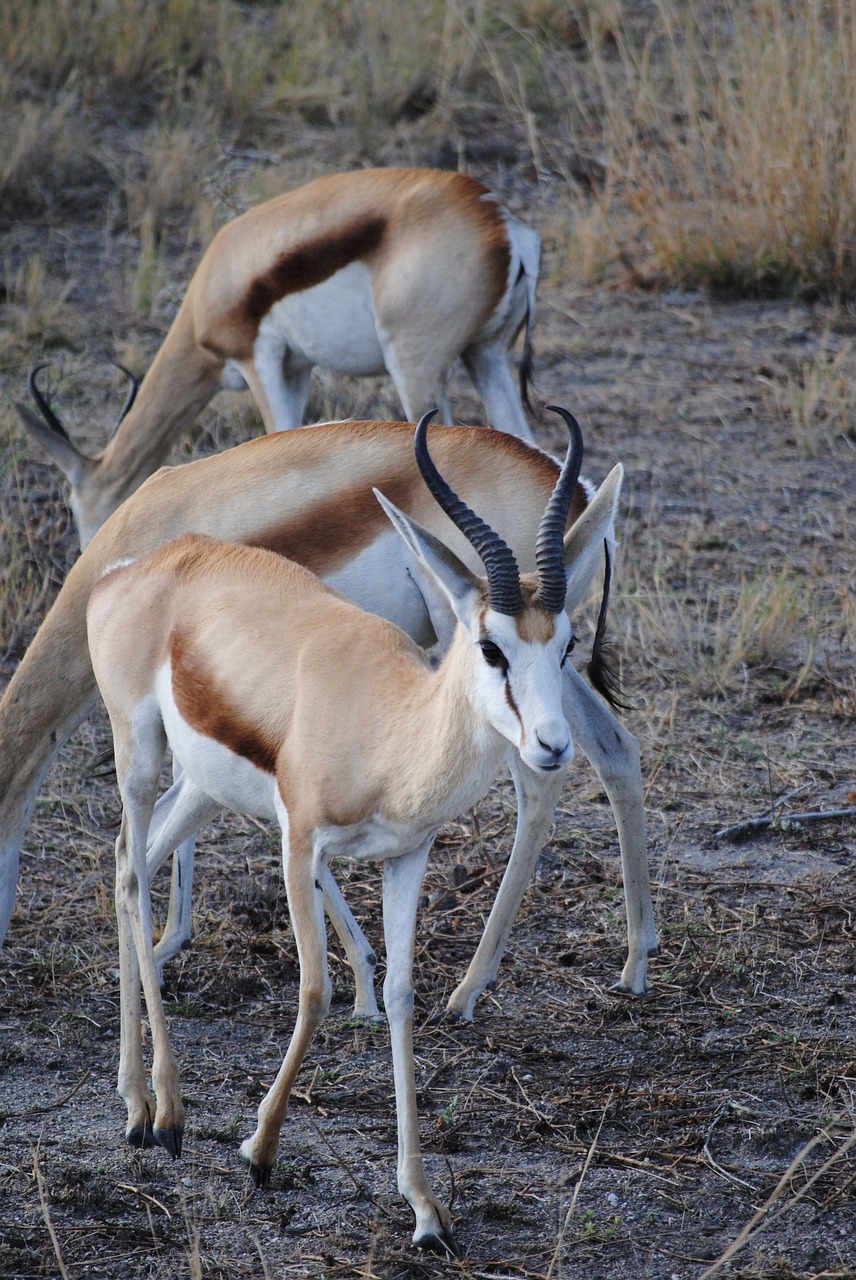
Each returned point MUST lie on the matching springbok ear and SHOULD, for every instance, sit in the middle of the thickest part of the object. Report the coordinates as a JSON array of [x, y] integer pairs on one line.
[[438, 568], [584, 540], [58, 448]]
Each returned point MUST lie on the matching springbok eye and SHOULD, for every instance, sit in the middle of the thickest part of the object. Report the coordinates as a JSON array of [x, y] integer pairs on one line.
[[571, 646], [493, 655]]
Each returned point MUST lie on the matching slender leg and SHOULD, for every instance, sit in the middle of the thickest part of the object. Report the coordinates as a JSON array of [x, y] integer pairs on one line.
[[175, 935], [139, 752], [419, 389], [614, 754], [185, 808], [306, 905], [38, 714], [178, 815], [131, 1082], [280, 394], [537, 796], [360, 955], [402, 882], [490, 373]]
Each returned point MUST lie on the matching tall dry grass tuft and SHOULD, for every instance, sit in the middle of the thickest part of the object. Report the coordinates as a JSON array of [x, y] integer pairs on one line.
[[35, 306], [721, 642], [817, 401], [45, 148], [730, 138], [27, 574]]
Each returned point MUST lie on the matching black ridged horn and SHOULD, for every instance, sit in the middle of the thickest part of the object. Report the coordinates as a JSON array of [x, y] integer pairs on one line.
[[503, 574], [50, 417], [44, 408], [549, 545], [129, 399]]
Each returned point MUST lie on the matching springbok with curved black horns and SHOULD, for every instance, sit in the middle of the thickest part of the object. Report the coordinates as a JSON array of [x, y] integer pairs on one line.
[[308, 495], [381, 270], [282, 699]]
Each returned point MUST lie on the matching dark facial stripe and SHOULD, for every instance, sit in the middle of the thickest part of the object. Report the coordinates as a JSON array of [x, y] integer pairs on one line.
[[208, 710], [509, 698], [311, 263]]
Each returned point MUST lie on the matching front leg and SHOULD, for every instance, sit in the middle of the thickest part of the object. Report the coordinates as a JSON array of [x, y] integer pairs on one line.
[[614, 754], [306, 907], [360, 955], [402, 882], [537, 797]]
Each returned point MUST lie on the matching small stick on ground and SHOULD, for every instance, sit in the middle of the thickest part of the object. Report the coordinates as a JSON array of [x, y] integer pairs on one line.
[[46, 1213], [742, 830], [572, 1206], [755, 1226]]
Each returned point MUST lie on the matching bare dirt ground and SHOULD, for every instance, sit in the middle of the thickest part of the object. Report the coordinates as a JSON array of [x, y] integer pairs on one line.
[[576, 1134]]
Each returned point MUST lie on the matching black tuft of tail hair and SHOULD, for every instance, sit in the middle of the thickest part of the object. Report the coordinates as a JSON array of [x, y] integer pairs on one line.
[[603, 669]]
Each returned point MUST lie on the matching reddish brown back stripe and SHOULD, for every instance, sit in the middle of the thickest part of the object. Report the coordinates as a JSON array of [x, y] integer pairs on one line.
[[330, 535], [313, 262]]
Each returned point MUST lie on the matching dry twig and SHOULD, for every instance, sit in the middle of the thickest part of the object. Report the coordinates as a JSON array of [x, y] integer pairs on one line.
[[755, 1225], [46, 1213]]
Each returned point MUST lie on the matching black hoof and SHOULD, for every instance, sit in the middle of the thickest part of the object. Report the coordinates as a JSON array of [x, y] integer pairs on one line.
[[260, 1174], [654, 951], [453, 1016], [141, 1137], [443, 1245], [170, 1139]]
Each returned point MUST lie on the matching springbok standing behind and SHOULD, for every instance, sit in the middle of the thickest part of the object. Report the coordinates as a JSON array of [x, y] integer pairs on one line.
[[282, 699], [327, 275], [308, 495]]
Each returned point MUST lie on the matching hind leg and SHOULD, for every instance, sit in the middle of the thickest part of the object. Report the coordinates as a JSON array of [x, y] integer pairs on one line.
[[490, 372], [177, 817], [139, 750], [420, 386]]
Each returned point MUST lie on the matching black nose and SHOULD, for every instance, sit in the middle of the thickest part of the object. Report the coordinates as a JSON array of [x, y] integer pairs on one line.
[[555, 752]]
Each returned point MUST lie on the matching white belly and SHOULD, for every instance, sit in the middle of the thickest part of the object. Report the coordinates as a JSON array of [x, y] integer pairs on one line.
[[332, 324], [230, 779]]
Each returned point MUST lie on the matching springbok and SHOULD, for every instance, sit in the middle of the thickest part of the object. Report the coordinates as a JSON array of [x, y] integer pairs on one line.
[[396, 270], [281, 699], [308, 495]]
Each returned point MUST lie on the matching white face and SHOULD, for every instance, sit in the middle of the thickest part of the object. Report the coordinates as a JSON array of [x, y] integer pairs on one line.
[[520, 683]]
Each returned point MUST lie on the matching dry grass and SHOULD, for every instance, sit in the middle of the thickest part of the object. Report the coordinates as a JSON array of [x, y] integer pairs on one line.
[[718, 640], [729, 133], [817, 400], [709, 142]]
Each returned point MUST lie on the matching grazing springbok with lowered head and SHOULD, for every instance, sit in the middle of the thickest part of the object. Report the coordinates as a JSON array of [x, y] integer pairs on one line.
[[308, 495], [380, 270], [281, 699]]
